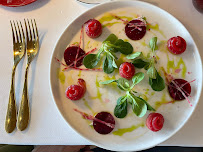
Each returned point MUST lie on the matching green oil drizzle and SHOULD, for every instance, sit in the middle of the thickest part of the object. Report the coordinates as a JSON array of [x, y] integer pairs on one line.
[[109, 24], [143, 43], [156, 28], [162, 102], [144, 97], [153, 93], [88, 106], [171, 67], [109, 17], [122, 131], [61, 76], [75, 43], [87, 45], [99, 95], [79, 73], [163, 46]]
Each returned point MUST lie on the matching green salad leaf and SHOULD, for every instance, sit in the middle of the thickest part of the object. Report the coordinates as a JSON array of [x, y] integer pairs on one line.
[[91, 60], [139, 63], [153, 44], [157, 84], [109, 46], [120, 111], [139, 105], [155, 80], [134, 55], [123, 47]]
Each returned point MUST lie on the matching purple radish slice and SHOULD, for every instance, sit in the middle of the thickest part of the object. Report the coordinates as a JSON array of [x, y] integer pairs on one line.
[[103, 122], [179, 89], [102, 128], [71, 53], [135, 29]]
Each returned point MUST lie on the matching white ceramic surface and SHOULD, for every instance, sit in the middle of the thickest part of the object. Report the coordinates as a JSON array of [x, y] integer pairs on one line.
[[175, 115]]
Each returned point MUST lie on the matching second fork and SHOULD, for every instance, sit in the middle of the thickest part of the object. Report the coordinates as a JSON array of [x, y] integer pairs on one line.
[[18, 53], [32, 50]]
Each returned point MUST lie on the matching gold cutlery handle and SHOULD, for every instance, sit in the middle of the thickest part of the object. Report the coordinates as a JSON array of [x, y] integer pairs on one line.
[[10, 123], [24, 112]]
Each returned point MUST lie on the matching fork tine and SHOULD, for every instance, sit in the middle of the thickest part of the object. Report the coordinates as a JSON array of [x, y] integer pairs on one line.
[[26, 30], [20, 35], [36, 29], [22, 32], [33, 30], [29, 29], [13, 33], [17, 37]]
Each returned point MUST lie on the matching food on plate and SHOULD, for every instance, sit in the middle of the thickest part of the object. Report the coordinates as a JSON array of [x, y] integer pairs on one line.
[[103, 122], [76, 92], [155, 121], [139, 105], [155, 80], [127, 70], [71, 54], [102, 128], [108, 48], [176, 45], [179, 89], [93, 28], [114, 52], [135, 29]]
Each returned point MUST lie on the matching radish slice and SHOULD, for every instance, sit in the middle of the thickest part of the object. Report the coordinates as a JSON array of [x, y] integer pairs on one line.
[[71, 53], [179, 89], [135, 29], [103, 122], [102, 128]]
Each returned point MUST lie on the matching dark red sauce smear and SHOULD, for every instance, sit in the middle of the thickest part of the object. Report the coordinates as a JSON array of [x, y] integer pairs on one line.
[[135, 29], [175, 86], [102, 128], [70, 55]]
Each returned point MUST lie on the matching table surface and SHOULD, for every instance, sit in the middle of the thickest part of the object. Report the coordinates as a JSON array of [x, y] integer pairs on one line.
[[47, 127]]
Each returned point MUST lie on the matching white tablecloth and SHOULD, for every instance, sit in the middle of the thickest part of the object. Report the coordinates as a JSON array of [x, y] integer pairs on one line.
[[47, 125]]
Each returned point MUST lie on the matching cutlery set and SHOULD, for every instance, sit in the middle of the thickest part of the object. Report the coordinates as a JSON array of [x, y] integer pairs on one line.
[[29, 43]]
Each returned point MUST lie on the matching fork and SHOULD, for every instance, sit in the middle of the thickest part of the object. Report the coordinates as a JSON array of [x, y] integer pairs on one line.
[[18, 53], [32, 50]]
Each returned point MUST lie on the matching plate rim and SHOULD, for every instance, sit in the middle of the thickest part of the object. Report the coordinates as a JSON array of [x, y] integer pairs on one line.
[[110, 3]]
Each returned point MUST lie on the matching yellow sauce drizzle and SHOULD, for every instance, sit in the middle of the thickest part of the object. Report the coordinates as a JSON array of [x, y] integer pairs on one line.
[[61, 76], [144, 97], [76, 43], [156, 28], [87, 45], [171, 67], [79, 73], [99, 95], [88, 106], [143, 43], [110, 24], [122, 131], [109, 17], [162, 46], [162, 102]]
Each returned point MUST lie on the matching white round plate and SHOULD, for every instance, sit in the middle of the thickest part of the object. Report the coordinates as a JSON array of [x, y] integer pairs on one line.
[[103, 98]]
